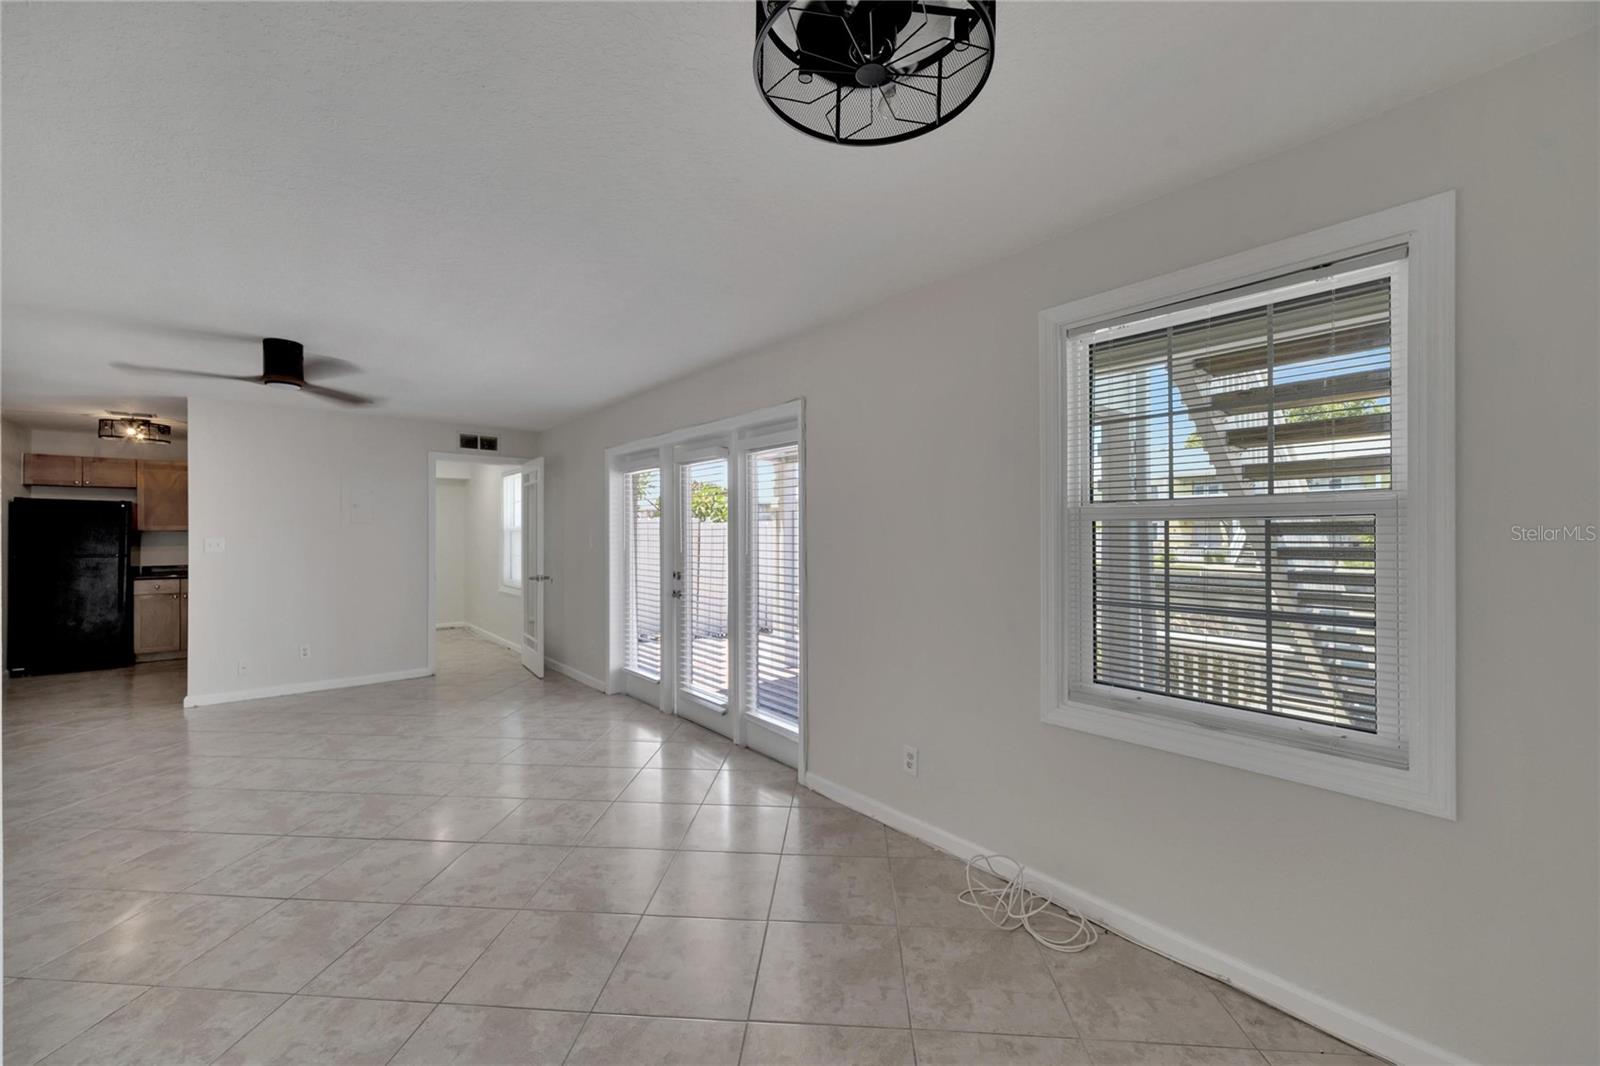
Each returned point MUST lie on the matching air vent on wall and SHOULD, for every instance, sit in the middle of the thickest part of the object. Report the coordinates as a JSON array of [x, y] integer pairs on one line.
[[478, 443]]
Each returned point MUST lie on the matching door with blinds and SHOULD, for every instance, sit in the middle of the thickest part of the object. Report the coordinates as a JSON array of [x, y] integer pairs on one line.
[[772, 618], [638, 528], [707, 577], [702, 588]]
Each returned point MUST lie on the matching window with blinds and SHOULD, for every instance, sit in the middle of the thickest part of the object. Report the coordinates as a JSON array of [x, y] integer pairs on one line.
[[511, 531], [642, 539], [703, 637], [773, 624], [1235, 536]]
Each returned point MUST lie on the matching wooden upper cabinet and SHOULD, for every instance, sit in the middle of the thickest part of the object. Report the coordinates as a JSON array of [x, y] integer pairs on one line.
[[51, 469], [163, 502], [103, 473], [163, 487]]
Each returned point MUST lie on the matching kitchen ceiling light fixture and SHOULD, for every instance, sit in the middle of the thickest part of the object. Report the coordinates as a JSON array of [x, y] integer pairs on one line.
[[135, 426], [872, 71]]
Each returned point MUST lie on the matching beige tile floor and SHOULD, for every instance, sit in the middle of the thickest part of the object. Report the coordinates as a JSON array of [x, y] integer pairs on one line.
[[481, 867]]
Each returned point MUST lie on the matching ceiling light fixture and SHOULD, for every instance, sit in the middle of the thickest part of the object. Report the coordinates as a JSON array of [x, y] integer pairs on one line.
[[872, 71], [135, 426]]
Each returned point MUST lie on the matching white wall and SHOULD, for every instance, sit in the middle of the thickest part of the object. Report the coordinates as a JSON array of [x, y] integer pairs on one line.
[[325, 516], [1477, 936], [450, 550]]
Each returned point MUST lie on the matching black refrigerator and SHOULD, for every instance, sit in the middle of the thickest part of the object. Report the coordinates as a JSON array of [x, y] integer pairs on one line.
[[70, 601]]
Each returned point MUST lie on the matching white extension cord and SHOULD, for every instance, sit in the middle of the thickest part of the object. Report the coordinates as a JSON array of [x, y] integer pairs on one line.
[[1008, 903]]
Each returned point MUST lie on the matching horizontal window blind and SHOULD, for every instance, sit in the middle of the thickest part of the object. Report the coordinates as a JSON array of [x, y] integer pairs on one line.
[[1277, 615], [642, 500], [1290, 396], [703, 640], [773, 623], [1224, 561]]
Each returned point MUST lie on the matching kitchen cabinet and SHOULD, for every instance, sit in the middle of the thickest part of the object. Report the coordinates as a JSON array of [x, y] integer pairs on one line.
[[163, 502], [158, 618], [104, 473], [161, 487], [39, 469]]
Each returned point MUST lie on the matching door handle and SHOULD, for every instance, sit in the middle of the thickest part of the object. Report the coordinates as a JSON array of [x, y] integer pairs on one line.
[[540, 577]]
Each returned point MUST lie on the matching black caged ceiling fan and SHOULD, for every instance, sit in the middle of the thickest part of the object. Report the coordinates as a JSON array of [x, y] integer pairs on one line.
[[872, 71], [283, 366]]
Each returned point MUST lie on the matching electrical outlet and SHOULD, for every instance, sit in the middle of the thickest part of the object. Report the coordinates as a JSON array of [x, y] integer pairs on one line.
[[910, 761], [244, 668], [215, 545], [305, 651]]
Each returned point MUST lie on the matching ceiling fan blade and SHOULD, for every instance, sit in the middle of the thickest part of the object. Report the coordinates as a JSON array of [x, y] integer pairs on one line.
[[327, 366], [347, 398], [78, 316], [180, 372]]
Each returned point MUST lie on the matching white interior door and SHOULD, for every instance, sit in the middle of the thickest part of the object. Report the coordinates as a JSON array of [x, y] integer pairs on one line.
[[534, 577]]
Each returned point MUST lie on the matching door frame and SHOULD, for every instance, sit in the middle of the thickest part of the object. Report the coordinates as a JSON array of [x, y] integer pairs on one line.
[[531, 475], [434, 458], [739, 434]]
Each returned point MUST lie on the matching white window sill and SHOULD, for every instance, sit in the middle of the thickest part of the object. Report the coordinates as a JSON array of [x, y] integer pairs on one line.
[[507, 590], [1419, 786]]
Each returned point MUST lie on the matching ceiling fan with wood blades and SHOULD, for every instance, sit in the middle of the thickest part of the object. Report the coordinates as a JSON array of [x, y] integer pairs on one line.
[[283, 366]]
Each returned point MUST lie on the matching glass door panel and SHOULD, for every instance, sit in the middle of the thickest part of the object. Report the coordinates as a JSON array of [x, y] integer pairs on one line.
[[703, 581], [773, 632], [642, 636]]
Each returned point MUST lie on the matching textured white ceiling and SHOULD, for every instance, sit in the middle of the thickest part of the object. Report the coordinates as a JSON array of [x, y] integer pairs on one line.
[[508, 213]]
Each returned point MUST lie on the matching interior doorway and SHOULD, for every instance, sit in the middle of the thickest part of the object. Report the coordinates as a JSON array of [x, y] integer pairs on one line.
[[477, 580], [707, 577]]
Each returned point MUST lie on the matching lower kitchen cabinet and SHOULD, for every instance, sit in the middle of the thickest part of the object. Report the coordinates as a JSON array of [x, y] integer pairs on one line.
[[160, 618]]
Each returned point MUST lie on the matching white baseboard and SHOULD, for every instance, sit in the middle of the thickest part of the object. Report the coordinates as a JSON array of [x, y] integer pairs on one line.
[[576, 674], [493, 638], [1348, 1024], [211, 699]]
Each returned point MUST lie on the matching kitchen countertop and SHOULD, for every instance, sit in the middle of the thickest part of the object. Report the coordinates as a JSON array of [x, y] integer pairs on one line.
[[176, 572]]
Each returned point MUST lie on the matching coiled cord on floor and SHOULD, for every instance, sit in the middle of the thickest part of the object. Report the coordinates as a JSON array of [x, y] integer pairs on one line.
[[1010, 904]]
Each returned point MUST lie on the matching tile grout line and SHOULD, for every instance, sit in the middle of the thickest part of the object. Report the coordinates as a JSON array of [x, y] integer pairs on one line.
[[266, 766], [259, 1023]]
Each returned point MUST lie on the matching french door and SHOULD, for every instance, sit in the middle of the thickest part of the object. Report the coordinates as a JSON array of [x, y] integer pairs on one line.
[[706, 560], [702, 588]]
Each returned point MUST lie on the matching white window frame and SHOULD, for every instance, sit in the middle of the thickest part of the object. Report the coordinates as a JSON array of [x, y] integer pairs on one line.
[[511, 532], [1422, 777]]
